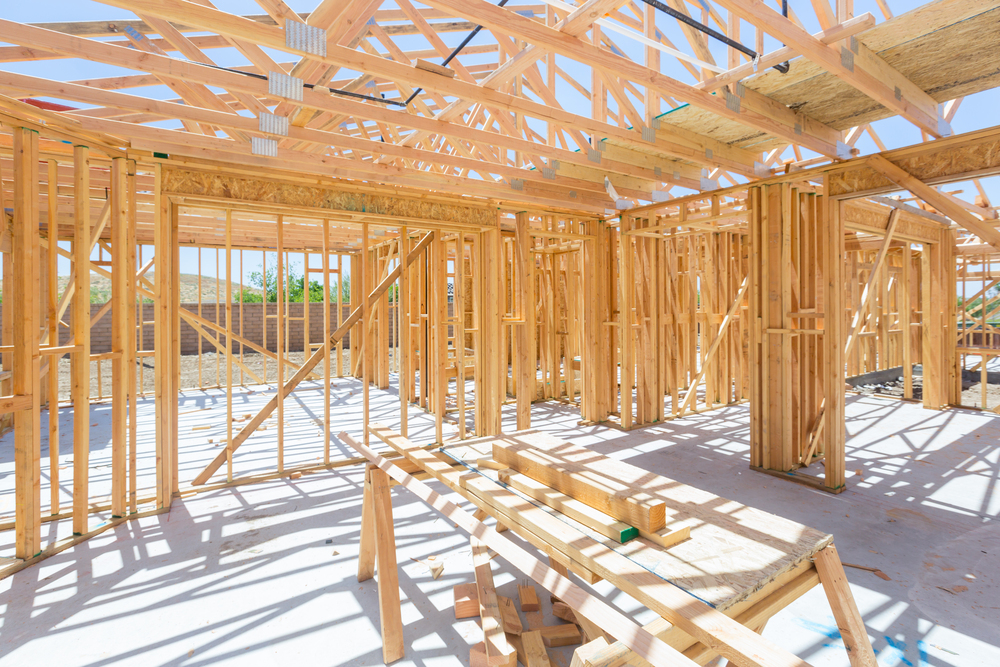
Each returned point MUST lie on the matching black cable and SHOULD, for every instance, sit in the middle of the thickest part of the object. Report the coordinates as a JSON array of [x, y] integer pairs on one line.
[[455, 52], [697, 25], [335, 91]]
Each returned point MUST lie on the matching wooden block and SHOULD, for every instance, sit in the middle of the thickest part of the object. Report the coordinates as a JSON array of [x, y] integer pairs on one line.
[[508, 614], [583, 655], [437, 69], [466, 601], [563, 611], [566, 634], [477, 657], [529, 598], [534, 649]]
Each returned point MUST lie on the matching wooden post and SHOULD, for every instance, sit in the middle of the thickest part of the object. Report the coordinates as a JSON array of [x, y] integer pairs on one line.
[[163, 345], [26, 368], [366, 543], [81, 333], [403, 333], [326, 340], [525, 367], [388, 573], [834, 437], [439, 333], [52, 202], [120, 297], [365, 346], [130, 340], [229, 343], [278, 280]]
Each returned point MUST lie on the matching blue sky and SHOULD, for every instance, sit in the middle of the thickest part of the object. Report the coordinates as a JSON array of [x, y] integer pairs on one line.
[[977, 111]]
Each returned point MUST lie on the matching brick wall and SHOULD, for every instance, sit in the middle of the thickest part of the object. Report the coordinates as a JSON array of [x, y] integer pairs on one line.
[[253, 326]]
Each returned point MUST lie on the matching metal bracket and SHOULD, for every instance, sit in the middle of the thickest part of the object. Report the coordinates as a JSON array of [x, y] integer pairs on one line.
[[517, 184], [273, 124], [262, 146], [304, 37], [284, 85], [847, 58]]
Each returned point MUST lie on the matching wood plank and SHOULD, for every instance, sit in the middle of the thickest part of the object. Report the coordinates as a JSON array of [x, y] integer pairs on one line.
[[845, 609], [534, 650], [388, 574], [81, 336], [508, 613], [586, 483], [599, 521], [498, 650], [26, 364], [366, 543]]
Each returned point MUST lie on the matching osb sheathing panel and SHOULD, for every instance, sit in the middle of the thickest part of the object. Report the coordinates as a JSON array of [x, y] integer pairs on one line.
[[947, 48], [875, 217], [928, 165], [211, 184]]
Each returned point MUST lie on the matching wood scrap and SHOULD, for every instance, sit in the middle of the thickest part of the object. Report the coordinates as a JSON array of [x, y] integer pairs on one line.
[[566, 634], [528, 596], [466, 601]]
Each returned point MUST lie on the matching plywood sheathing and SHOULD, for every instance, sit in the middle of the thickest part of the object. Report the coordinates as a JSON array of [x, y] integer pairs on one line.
[[947, 48]]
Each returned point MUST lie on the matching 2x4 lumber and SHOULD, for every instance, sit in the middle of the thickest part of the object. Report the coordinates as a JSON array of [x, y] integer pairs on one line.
[[120, 332], [388, 572], [26, 381], [53, 330], [310, 363], [702, 622], [497, 649], [81, 335], [586, 483], [861, 68], [603, 523], [533, 646], [833, 371], [845, 609], [641, 641]]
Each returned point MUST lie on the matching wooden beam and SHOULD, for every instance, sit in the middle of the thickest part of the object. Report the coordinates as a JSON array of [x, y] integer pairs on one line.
[[81, 336], [24, 294]]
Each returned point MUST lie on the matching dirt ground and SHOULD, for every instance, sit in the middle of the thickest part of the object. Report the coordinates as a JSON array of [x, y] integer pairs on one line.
[[972, 395], [211, 363]]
